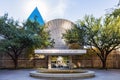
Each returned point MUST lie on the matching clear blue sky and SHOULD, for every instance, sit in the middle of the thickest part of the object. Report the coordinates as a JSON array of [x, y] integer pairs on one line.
[[52, 9]]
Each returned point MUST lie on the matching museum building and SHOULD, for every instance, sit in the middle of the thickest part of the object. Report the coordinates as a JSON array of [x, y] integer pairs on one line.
[[60, 56]]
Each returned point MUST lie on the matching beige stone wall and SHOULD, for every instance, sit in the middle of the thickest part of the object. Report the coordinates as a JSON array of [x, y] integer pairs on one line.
[[113, 61], [24, 63], [6, 62]]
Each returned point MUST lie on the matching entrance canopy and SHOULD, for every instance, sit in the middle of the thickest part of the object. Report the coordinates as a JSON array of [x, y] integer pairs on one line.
[[60, 51]]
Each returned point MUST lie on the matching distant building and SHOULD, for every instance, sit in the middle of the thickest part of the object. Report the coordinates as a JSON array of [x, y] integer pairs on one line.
[[56, 27], [35, 15]]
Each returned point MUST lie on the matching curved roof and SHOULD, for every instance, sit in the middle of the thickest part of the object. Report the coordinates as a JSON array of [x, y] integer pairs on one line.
[[57, 27], [60, 19]]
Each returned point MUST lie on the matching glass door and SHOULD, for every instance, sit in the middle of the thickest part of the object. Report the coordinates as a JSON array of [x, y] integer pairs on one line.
[[60, 61]]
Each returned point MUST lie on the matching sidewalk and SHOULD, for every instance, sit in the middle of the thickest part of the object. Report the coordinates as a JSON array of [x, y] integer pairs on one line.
[[23, 74]]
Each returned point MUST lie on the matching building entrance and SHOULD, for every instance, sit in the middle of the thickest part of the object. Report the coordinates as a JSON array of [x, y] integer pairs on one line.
[[60, 61]]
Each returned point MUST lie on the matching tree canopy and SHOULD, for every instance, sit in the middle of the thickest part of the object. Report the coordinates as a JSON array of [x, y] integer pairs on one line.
[[102, 35], [74, 36], [16, 38]]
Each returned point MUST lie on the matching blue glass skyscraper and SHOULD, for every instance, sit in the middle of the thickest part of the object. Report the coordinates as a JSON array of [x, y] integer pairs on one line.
[[35, 15]]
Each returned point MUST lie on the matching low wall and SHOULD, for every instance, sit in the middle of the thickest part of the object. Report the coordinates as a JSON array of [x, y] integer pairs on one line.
[[92, 61], [7, 62]]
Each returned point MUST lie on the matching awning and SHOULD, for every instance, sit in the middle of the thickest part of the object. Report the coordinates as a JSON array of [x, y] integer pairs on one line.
[[60, 51]]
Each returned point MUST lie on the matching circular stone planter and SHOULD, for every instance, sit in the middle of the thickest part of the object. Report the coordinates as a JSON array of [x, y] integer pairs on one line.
[[74, 74]]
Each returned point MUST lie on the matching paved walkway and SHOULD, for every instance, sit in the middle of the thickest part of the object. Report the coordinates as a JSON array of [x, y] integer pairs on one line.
[[23, 74]]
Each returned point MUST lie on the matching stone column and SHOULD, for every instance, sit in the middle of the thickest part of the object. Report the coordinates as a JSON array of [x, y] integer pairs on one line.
[[49, 62], [70, 62]]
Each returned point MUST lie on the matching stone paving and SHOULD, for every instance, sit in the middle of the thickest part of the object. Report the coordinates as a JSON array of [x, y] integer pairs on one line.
[[23, 74]]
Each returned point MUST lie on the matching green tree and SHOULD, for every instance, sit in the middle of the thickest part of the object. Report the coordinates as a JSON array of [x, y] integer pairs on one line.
[[102, 35], [74, 36], [17, 39], [115, 12], [41, 31]]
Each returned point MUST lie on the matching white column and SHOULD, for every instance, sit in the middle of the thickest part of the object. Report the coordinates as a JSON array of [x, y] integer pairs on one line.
[[49, 62]]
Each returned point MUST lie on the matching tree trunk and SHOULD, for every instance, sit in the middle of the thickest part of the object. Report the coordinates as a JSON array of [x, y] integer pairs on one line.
[[34, 61], [104, 60], [103, 64], [15, 61], [103, 57]]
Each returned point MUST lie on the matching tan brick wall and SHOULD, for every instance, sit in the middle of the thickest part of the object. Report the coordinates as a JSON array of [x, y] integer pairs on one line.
[[113, 61], [6, 62]]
